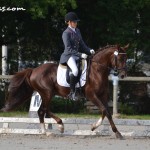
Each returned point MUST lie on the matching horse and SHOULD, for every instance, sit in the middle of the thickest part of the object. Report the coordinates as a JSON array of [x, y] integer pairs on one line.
[[43, 79]]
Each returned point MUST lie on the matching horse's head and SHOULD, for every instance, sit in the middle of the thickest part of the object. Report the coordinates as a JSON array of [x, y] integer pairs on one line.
[[111, 57], [118, 61]]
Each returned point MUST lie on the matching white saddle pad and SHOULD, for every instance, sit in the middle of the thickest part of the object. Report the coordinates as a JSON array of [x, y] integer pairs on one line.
[[61, 75]]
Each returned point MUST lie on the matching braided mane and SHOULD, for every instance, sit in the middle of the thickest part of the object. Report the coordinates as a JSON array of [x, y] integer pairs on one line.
[[103, 48]]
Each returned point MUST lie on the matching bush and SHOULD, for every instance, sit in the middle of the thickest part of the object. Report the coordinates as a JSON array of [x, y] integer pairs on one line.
[[2, 98], [60, 105], [127, 109]]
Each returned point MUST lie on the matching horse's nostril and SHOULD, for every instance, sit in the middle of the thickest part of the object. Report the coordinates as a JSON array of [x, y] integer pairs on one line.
[[122, 76]]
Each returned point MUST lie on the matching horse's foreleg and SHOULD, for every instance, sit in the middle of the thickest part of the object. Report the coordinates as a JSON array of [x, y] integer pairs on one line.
[[113, 126], [58, 120], [105, 112], [98, 123], [100, 105]]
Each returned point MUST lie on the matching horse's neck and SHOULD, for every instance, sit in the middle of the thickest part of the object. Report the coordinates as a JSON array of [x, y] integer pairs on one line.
[[101, 63], [103, 57]]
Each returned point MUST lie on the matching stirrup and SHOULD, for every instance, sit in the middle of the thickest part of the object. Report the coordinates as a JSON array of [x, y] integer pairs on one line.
[[72, 96], [79, 94]]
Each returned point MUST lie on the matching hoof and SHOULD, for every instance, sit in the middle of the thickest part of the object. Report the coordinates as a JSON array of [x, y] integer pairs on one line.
[[42, 131], [61, 128], [93, 127], [119, 136]]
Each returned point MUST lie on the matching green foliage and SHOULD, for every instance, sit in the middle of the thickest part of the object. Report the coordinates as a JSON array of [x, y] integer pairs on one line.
[[127, 109], [40, 9], [2, 98], [60, 105], [103, 22]]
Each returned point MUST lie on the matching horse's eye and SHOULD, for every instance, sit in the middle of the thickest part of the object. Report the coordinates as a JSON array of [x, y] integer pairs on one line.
[[121, 59]]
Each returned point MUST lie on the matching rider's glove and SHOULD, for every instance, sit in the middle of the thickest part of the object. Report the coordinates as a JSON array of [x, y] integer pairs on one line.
[[84, 56], [92, 51]]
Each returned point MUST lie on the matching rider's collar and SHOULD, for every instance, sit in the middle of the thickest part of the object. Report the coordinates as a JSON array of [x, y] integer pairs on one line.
[[73, 29]]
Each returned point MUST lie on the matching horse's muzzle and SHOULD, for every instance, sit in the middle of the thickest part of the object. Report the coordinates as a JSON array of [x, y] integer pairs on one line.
[[122, 74]]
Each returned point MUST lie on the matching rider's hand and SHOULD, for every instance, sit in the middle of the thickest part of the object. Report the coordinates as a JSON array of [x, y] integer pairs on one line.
[[84, 56], [92, 51]]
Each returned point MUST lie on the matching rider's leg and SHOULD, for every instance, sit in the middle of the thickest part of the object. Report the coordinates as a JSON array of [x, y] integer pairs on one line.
[[72, 64]]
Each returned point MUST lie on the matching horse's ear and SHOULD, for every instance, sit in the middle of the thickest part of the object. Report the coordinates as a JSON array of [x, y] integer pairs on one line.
[[126, 47], [118, 46]]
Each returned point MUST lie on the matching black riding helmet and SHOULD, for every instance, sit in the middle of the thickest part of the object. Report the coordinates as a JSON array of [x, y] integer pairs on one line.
[[71, 16]]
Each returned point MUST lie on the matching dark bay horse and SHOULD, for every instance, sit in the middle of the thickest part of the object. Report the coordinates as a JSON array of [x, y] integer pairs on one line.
[[43, 80]]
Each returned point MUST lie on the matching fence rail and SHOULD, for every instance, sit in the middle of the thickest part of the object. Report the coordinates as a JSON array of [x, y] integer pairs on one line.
[[145, 132], [6, 76], [147, 79]]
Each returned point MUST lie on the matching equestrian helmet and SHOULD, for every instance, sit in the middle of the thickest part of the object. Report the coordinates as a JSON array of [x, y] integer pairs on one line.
[[71, 16]]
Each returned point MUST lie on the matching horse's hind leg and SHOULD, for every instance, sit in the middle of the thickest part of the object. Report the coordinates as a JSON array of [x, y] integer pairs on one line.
[[41, 112], [58, 120], [45, 110]]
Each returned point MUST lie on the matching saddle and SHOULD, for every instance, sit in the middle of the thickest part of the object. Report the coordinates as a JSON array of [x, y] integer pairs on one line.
[[63, 71]]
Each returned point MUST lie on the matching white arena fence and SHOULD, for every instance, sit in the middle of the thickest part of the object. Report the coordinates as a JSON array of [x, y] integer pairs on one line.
[[137, 128]]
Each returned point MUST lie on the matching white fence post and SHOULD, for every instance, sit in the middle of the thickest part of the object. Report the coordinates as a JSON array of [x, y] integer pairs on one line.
[[4, 67], [4, 60], [115, 80]]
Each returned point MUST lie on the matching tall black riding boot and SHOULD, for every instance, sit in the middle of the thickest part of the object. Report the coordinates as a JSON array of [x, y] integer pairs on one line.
[[72, 95]]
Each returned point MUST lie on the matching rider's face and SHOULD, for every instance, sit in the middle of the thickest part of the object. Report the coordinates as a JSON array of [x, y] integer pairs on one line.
[[73, 24]]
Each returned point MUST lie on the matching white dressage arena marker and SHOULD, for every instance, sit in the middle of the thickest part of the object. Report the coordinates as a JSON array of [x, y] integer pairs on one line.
[[35, 102], [34, 107]]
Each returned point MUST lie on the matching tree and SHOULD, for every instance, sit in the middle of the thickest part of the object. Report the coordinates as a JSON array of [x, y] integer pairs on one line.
[[38, 28], [116, 22], [103, 22]]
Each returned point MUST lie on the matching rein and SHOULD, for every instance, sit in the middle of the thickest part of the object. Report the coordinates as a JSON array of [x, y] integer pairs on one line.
[[116, 69]]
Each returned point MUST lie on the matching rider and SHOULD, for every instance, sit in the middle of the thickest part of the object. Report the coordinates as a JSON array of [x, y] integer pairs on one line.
[[74, 48]]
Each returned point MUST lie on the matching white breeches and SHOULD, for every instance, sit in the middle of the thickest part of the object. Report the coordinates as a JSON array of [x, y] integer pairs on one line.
[[72, 64]]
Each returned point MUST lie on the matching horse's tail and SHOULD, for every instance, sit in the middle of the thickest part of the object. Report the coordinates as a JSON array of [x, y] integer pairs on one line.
[[19, 90]]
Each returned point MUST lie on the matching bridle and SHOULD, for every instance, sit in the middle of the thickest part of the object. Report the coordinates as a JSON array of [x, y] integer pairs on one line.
[[115, 68]]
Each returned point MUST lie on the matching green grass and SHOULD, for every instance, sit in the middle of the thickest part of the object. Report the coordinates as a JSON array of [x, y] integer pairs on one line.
[[66, 115], [122, 116], [142, 117], [14, 114]]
